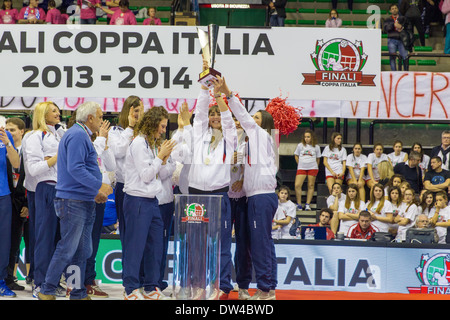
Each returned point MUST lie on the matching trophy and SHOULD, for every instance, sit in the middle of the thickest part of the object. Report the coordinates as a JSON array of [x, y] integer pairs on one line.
[[208, 42]]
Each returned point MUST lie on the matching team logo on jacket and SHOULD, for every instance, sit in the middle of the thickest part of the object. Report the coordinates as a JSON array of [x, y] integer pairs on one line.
[[434, 274], [195, 212], [339, 63]]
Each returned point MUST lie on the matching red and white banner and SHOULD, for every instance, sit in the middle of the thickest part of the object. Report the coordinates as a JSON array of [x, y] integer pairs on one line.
[[404, 95]]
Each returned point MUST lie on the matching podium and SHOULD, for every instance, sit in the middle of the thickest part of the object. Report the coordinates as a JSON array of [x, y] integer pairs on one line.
[[196, 262]]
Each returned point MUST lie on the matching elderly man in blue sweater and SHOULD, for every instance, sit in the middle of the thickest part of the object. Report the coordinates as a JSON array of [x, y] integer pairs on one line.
[[79, 186]]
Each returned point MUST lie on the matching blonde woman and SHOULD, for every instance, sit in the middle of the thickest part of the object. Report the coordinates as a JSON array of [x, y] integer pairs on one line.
[[41, 153]]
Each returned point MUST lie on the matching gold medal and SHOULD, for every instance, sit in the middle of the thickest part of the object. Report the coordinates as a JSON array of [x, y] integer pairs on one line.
[[207, 161]]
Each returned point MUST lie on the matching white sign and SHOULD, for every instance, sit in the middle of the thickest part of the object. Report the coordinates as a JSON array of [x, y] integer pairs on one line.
[[164, 62]]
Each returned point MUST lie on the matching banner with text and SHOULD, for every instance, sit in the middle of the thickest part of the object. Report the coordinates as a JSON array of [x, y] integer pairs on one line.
[[165, 62]]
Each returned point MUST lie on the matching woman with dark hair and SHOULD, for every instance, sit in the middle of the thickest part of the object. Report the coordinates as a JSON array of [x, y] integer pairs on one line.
[[119, 138], [259, 184], [143, 246], [8, 15]]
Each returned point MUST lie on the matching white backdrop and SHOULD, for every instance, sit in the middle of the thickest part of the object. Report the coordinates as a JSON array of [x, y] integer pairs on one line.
[[164, 62]]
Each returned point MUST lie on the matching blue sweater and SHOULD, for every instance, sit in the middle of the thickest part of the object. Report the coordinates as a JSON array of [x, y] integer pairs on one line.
[[79, 176]]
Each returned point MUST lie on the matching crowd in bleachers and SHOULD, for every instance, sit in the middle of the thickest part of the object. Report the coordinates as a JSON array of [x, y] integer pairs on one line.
[[404, 189], [116, 12]]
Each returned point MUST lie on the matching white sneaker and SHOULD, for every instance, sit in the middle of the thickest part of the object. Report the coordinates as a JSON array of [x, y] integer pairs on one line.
[[261, 295], [243, 294], [155, 295], [135, 295], [307, 207]]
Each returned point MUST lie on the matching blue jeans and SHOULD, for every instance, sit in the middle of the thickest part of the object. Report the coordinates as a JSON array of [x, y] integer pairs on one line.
[[276, 21], [5, 234], [88, 21], [96, 234], [75, 247], [395, 45]]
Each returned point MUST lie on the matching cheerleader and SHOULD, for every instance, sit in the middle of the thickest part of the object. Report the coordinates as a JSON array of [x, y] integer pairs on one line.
[[41, 151], [119, 139], [143, 241], [373, 160], [397, 155], [334, 159], [379, 208], [259, 185], [307, 155], [356, 166]]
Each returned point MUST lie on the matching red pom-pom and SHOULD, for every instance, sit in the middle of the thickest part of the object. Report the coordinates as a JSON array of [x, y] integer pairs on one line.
[[285, 117]]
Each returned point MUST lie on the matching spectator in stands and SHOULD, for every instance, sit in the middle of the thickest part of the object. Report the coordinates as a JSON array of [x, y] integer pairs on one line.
[[424, 159], [373, 160], [379, 208], [431, 13], [397, 155], [349, 4], [152, 20], [307, 155], [326, 215], [403, 186], [333, 20], [393, 26], [53, 14], [334, 201], [407, 214], [443, 150], [364, 229], [113, 6], [412, 10], [411, 171], [395, 181], [334, 159], [441, 218], [426, 205], [356, 166], [445, 9], [285, 214], [349, 210], [87, 9], [386, 171], [423, 222], [277, 12], [124, 16], [396, 199], [8, 15], [437, 179], [31, 14]]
